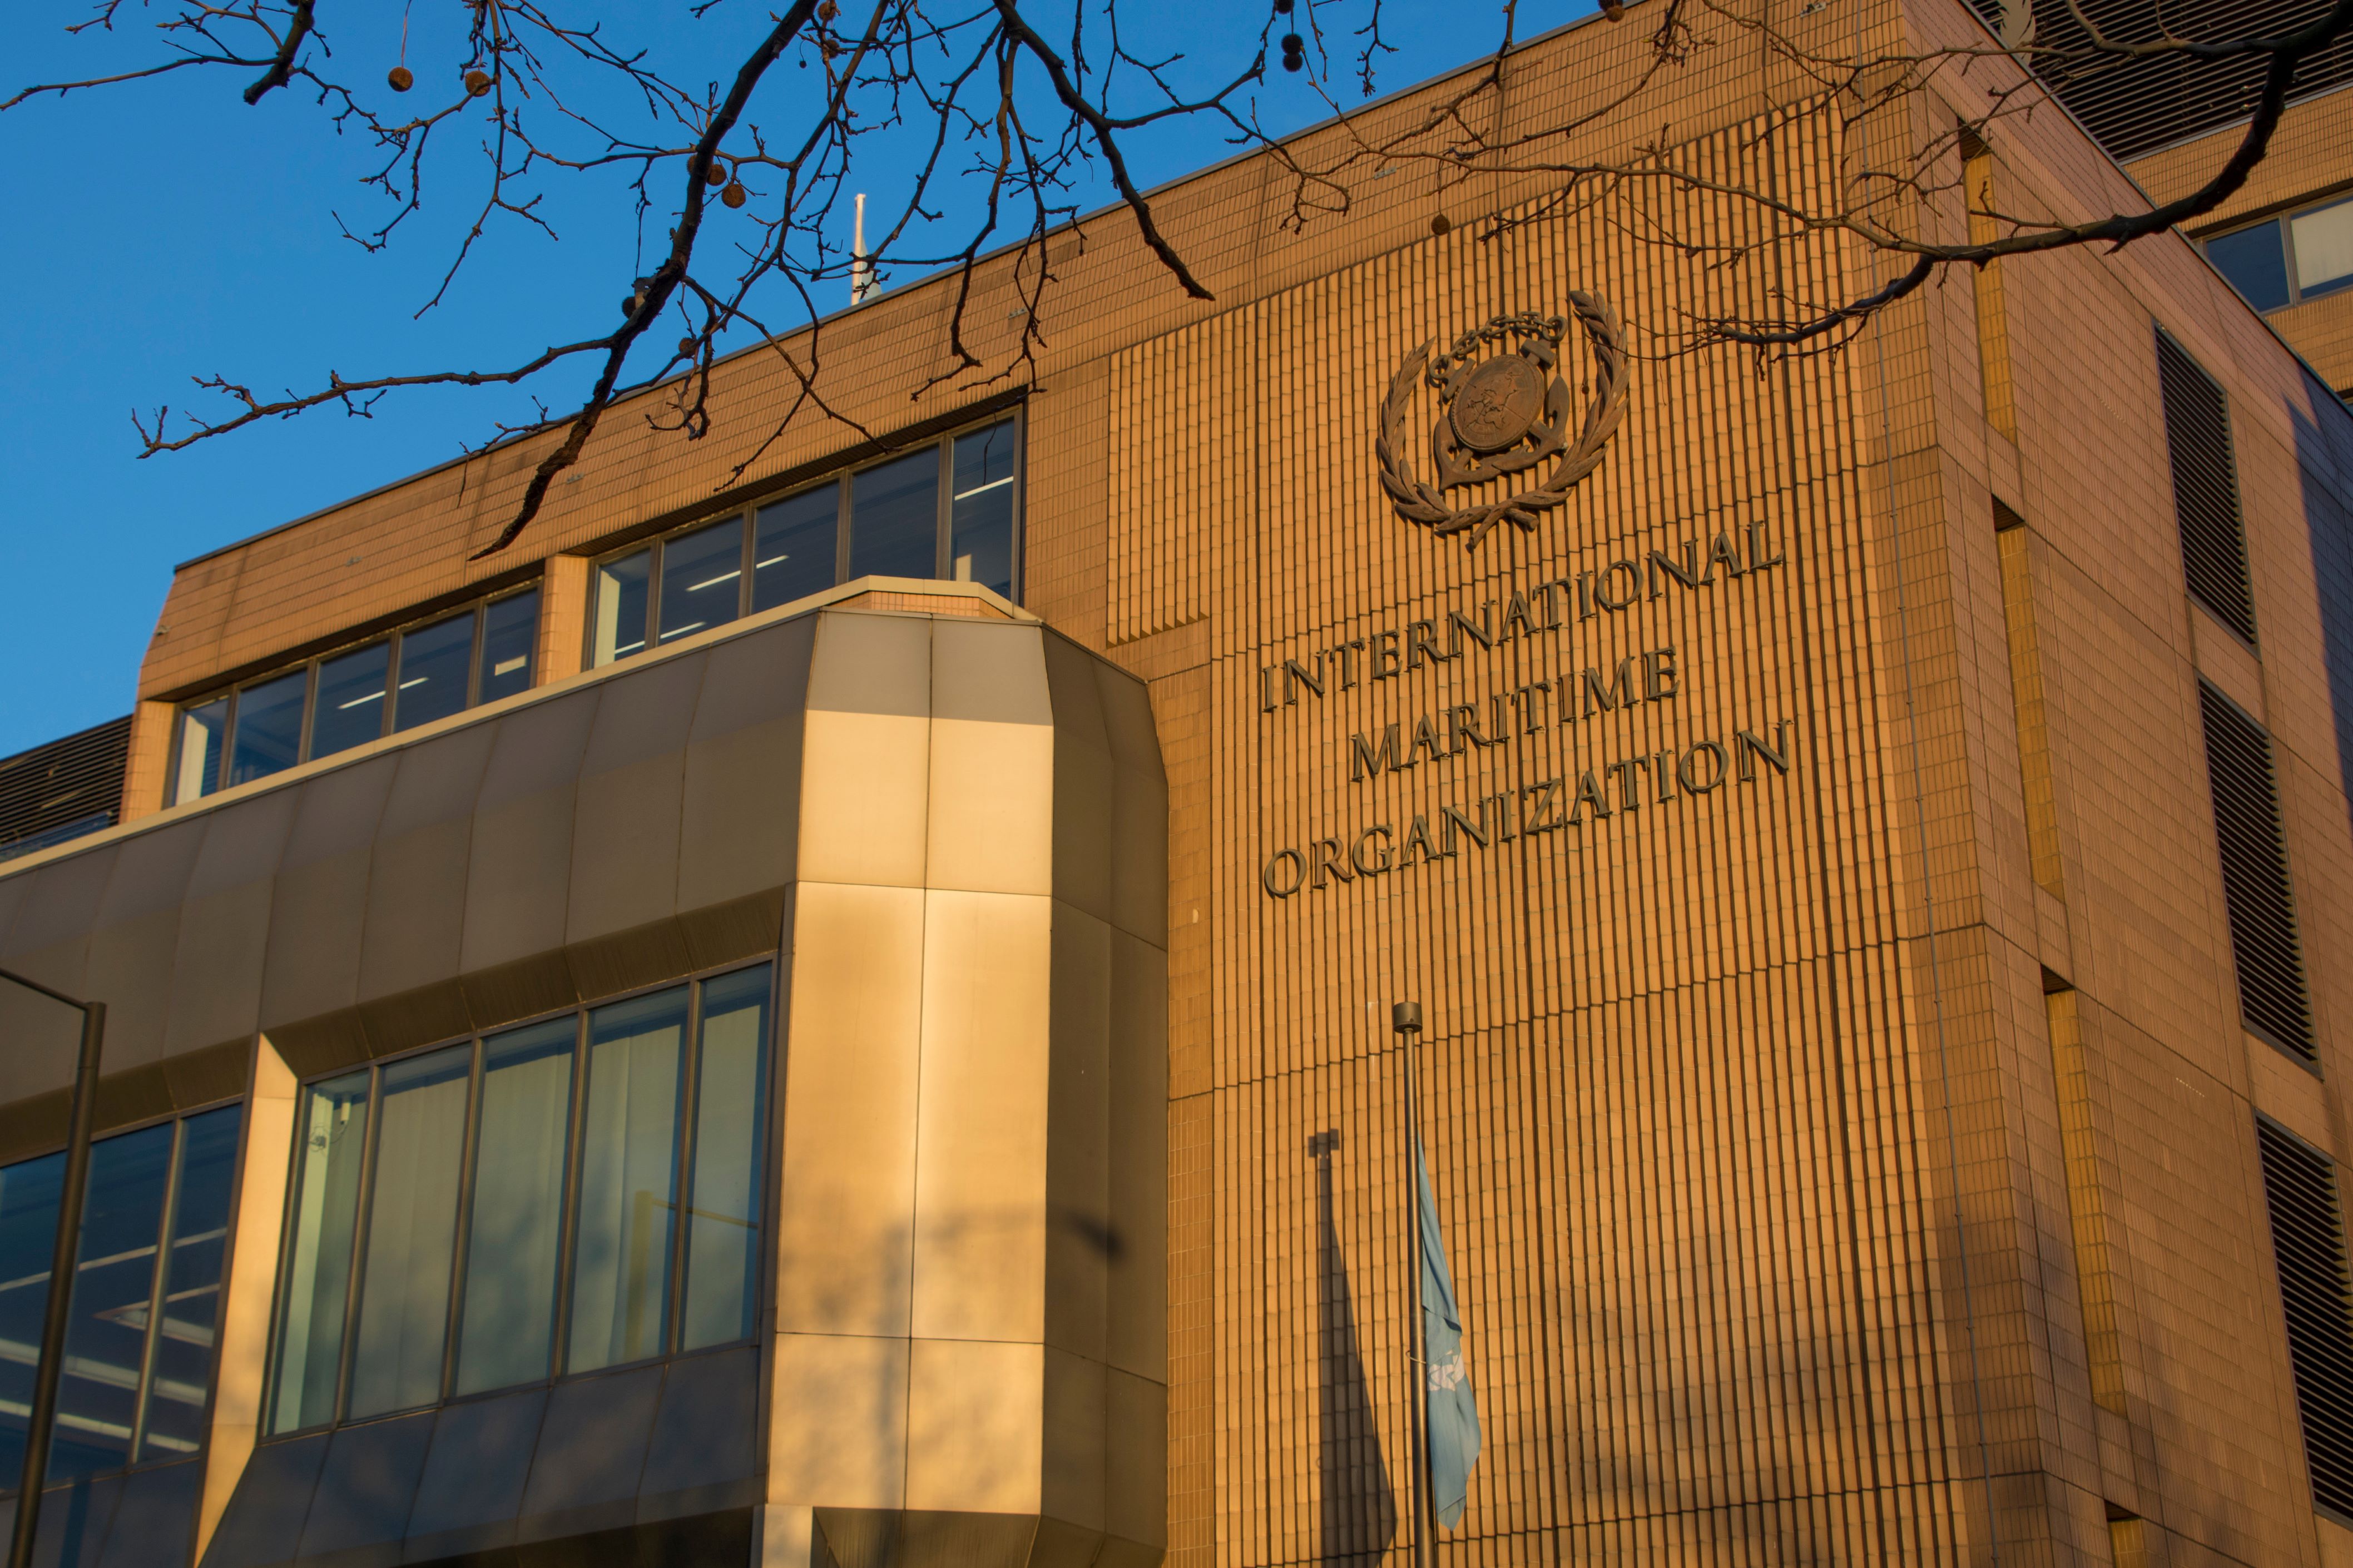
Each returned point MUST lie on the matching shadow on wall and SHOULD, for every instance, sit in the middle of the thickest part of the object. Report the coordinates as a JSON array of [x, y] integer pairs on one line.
[[1358, 1519]]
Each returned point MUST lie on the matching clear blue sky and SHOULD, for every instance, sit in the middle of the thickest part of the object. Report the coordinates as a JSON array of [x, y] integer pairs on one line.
[[163, 229]]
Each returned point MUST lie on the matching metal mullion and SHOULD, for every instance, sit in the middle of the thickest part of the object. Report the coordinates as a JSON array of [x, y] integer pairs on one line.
[[1019, 421], [842, 498], [309, 713], [158, 1288], [474, 654], [363, 1215], [690, 1079], [943, 520], [396, 644], [654, 553], [749, 559], [466, 1174], [576, 1141], [228, 741]]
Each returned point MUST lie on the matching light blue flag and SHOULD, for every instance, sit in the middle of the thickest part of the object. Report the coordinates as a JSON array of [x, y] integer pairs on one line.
[[1453, 1423]]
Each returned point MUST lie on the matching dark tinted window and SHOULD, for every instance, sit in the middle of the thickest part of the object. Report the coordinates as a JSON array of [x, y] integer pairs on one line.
[[980, 525], [621, 594], [510, 634], [895, 518], [2254, 263], [351, 700], [268, 727], [792, 548], [433, 665], [702, 578]]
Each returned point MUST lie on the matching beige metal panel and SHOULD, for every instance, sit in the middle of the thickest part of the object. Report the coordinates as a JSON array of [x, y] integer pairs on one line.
[[976, 1426], [1139, 826], [1085, 781], [244, 1333], [134, 938], [320, 906], [624, 833], [741, 814], [991, 817], [1071, 1483], [1137, 1131], [416, 878], [981, 1125], [865, 759], [1136, 1467], [1082, 1238], [225, 925], [521, 873], [846, 1203], [838, 1423]]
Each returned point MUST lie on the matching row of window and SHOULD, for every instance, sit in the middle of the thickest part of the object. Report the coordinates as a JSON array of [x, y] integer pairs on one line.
[[946, 510], [2290, 259], [146, 1301], [343, 700], [570, 1195]]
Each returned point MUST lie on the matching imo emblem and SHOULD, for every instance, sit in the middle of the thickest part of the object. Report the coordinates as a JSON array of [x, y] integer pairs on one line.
[[1503, 410]]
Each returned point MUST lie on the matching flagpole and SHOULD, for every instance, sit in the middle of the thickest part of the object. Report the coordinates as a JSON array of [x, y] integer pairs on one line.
[[1405, 1018]]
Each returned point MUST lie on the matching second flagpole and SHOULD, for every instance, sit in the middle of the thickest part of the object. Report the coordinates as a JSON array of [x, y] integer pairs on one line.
[[1405, 1018]]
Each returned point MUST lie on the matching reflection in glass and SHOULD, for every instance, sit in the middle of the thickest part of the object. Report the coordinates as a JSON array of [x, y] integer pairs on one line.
[[268, 728], [2252, 260], [2322, 239], [202, 728], [722, 1226], [433, 667], [182, 1360], [508, 1326], [980, 527], [510, 629], [620, 1273], [895, 518], [106, 1325], [351, 700], [621, 607], [332, 1127], [29, 1232], [793, 546], [702, 578], [412, 1233]]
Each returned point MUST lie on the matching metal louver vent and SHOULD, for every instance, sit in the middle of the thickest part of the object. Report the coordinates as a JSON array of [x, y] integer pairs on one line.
[[64, 789], [2135, 106], [2255, 887], [2205, 489], [2309, 1241]]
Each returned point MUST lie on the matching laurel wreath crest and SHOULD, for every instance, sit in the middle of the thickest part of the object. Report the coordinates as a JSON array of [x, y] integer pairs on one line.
[[1420, 503]]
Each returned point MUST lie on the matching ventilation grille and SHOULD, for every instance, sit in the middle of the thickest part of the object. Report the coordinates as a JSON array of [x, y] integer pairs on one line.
[[2308, 1239], [64, 789], [2254, 877], [2139, 105], [2205, 489]]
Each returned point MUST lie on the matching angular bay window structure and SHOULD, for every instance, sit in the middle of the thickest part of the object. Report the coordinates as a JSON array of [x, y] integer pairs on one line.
[[948, 509], [584, 1189], [346, 699]]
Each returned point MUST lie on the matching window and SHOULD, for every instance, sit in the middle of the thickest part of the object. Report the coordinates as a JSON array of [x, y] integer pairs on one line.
[[2308, 1245], [348, 699], [146, 1295], [2256, 894], [948, 509], [533, 1177], [2286, 260], [2205, 487]]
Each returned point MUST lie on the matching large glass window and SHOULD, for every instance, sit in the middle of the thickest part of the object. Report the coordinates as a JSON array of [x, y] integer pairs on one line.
[[560, 1235], [145, 1300], [2286, 260], [340, 701], [890, 520]]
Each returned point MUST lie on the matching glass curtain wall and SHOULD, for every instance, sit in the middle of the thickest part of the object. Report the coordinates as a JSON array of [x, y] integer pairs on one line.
[[891, 519], [533, 1178], [145, 1300], [348, 699]]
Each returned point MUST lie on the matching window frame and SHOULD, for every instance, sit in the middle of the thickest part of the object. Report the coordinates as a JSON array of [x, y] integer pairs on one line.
[[684, 1131], [841, 481], [309, 668], [159, 1282], [2278, 223]]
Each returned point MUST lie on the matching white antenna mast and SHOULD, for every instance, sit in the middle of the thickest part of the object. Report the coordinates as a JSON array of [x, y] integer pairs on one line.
[[861, 266]]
